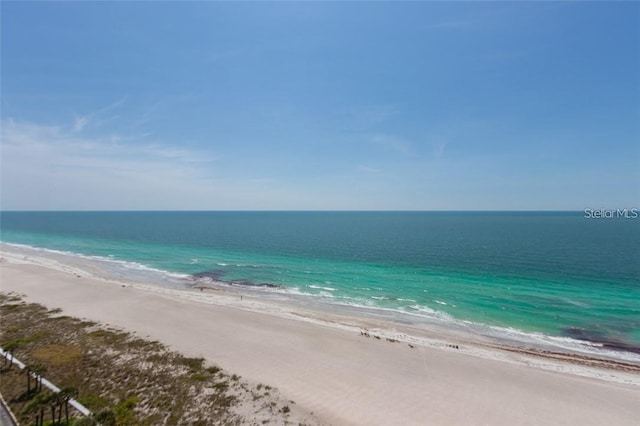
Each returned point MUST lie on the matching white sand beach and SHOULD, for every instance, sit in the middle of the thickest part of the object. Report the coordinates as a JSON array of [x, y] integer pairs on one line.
[[334, 372]]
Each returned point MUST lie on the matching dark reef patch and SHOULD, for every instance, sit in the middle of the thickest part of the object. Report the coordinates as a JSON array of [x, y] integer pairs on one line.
[[216, 275], [606, 342], [248, 283], [213, 274]]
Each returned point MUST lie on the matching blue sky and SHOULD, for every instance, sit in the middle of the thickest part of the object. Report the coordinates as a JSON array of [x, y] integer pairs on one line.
[[394, 106]]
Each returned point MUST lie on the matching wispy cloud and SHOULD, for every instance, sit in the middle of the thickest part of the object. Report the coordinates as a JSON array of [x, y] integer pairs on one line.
[[453, 24], [365, 117], [40, 162], [392, 142], [96, 117], [367, 169], [439, 147], [80, 122]]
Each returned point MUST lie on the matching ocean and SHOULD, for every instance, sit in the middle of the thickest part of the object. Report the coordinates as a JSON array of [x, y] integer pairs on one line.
[[563, 277]]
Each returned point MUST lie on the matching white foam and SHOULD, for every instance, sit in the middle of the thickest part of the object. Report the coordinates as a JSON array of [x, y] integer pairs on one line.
[[109, 260], [321, 288], [424, 313], [505, 334], [576, 303], [558, 343], [424, 309]]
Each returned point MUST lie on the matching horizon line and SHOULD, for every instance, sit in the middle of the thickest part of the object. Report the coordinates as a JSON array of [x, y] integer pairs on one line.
[[313, 210]]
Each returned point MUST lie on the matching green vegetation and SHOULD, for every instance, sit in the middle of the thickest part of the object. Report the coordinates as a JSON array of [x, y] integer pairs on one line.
[[57, 354], [122, 379]]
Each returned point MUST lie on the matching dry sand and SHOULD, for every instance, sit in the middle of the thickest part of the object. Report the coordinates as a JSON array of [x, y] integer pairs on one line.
[[340, 376]]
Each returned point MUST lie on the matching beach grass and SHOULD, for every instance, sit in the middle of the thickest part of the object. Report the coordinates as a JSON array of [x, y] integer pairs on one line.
[[122, 378]]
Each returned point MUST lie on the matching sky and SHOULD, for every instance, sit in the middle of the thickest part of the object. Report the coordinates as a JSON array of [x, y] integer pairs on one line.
[[319, 106]]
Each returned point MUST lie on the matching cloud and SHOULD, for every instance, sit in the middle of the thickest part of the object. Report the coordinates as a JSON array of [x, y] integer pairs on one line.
[[365, 117], [367, 169], [439, 147], [451, 25], [79, 123], [96, 117], [395, 143], [48, 167], [53, 167]]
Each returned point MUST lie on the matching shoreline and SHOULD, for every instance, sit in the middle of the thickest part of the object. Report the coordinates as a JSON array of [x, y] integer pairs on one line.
[[418, 329], [328, 367], [573, 341]]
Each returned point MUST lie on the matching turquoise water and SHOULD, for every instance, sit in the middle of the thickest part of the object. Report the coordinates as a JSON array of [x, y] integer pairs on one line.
[[556, 273]]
